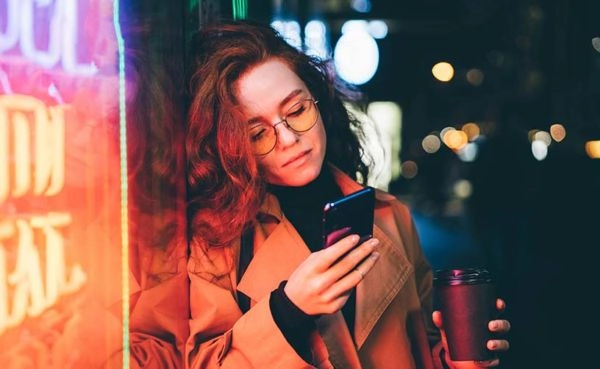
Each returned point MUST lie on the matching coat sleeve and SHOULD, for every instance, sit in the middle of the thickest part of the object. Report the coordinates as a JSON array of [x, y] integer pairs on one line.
[[222, 337]]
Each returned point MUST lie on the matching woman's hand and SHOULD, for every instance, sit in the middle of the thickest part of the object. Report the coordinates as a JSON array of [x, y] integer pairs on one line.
[[322, 283], [498, 327]]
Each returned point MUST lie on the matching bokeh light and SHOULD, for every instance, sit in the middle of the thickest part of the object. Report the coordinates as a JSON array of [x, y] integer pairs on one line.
[[443, 71]]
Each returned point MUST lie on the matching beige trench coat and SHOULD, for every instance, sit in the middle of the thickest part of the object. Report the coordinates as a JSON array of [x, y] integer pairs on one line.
[[393, 302]]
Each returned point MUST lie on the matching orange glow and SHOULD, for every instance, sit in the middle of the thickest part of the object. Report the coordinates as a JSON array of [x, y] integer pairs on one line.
[[558, 132], [455, 139], [592, 148], [472, 130], [443, 71]]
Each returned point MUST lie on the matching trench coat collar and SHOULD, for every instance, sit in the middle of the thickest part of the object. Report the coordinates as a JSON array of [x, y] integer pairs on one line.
[[278, 255]]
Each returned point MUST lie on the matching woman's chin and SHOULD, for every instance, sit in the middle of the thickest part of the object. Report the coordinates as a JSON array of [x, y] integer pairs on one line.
[[297, 178]]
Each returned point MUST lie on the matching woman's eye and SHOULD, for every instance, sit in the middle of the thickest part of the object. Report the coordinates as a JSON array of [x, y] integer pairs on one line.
[[257, 133], [296, 111]]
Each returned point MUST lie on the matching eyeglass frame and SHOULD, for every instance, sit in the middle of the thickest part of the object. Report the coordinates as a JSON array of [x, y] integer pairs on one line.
[[287, 124]]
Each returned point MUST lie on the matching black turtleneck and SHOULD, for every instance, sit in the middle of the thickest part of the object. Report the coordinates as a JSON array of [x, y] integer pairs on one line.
[[303, 207]]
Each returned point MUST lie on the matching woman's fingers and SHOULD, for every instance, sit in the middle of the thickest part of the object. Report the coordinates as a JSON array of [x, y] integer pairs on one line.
[[328, 256], [498, 345], [352, 259], [500, 305], [365, 266], [436, 316], [352, 277], [323, 281], [499, 326]]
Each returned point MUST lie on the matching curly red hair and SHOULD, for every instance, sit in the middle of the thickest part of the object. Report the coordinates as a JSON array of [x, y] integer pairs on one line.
[[225, 185]]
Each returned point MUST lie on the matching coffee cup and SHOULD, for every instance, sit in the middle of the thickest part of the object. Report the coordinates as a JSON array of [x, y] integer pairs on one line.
[[467, 300]]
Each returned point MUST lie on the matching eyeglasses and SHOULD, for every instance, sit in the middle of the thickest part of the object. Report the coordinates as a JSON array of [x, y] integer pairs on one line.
[[301, 117]]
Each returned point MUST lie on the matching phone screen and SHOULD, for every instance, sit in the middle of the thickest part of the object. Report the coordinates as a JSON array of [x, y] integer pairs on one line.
[[350, 214]]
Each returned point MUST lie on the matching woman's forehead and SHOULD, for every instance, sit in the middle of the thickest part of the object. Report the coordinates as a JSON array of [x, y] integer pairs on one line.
[[269, 85]]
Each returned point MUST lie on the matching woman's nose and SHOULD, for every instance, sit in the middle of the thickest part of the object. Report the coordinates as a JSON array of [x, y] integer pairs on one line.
[[285, 135]]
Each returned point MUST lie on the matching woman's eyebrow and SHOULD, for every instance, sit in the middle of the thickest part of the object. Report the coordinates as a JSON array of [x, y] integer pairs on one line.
[[289, 97], [283, 102]]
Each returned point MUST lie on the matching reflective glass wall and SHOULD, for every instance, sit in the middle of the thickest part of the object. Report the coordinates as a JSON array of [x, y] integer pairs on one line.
[[91, 183]]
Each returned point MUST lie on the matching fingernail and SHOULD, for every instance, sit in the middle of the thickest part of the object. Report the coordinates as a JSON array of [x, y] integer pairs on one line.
[[374, 255], [373, 242]]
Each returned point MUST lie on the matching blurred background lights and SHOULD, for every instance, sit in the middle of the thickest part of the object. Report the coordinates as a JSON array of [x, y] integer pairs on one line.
[[387, 116], [539, 149], [361, 6], [358, 25], [462, 188], [592, 149], [596, 43], [475, 77], [543, 136], [446, 130], [472, 130], [409, 169], [315, 39], [443, 71], [378, 29], [290, 30], [558, 132], [531, 134], [356, 55], [455, 139], [469, 152], [431, 144]]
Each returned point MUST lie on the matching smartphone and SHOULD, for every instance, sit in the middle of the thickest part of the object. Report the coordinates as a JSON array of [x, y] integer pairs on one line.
[[350, 214]]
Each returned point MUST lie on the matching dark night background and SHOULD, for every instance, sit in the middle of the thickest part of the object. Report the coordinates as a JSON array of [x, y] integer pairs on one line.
[[536, 224]]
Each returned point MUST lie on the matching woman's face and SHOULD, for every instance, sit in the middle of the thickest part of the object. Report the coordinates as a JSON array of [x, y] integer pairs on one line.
[[267, 92]]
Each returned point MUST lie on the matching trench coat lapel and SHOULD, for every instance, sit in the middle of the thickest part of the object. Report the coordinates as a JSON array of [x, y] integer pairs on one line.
[[276, 258], [380, 285]]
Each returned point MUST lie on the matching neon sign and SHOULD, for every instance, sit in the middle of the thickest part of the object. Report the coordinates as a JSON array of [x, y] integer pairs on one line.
[[48, 41], [59, 172], [32, 291], [39, 167], [35, 133]]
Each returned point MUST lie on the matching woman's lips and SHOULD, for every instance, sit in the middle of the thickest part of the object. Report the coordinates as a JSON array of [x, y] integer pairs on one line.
[[297, 159]]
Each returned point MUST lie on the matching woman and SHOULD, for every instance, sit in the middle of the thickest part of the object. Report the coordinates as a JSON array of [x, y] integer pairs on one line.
[[269, 142]]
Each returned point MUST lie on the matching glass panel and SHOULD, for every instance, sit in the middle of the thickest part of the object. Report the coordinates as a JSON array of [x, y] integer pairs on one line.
[[61, 244], [92, 194]]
